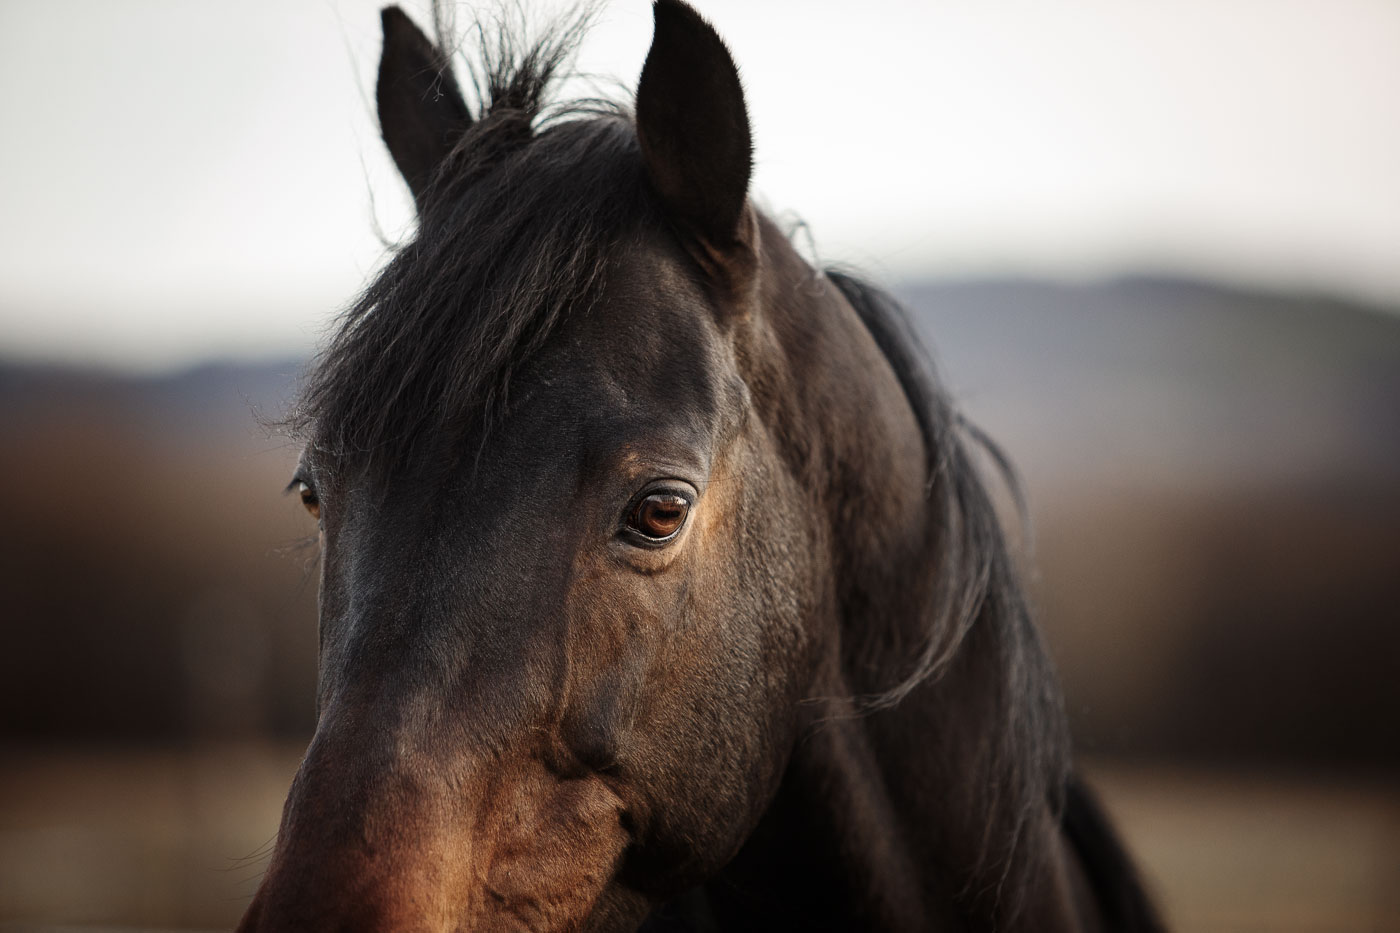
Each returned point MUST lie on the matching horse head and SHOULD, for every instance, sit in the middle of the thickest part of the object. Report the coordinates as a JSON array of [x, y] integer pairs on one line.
[[650, 555], [577, 533]]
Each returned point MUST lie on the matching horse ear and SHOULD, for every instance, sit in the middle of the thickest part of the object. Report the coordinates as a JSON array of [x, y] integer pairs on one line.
[[421, 111], [692, 125]]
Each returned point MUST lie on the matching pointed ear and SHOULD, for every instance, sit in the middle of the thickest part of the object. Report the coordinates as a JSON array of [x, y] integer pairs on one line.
[[421, 111], [692, 125]]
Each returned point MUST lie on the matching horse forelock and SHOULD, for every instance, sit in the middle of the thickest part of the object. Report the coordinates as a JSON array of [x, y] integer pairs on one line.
[[516, 231], [428, 350]]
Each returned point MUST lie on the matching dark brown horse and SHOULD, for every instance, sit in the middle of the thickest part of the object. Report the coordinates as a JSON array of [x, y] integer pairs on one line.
[[658, 586]]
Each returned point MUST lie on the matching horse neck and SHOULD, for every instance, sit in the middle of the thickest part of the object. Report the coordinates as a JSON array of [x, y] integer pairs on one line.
[[890, 821], [936, 813]]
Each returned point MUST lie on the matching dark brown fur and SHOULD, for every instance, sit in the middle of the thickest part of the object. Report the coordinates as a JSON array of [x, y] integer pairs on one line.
[[822, 705]]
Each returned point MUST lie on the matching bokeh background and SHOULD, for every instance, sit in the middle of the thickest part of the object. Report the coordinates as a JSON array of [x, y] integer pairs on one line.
[[1155, 249]]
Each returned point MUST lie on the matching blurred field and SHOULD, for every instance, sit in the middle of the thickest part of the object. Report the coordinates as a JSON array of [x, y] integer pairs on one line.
[[177, 840], [1260, 852]]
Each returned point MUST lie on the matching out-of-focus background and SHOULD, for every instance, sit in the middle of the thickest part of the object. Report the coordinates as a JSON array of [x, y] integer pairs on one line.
[[1155, 250]]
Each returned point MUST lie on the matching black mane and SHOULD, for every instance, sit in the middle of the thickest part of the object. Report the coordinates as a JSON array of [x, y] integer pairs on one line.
[[1027, 760]]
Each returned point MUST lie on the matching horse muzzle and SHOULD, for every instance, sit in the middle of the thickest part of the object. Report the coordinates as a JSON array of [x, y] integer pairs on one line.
[[400, 842]]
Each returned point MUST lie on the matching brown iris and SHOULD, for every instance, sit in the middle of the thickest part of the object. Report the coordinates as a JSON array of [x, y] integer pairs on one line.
[[308, 499], [659, 515]]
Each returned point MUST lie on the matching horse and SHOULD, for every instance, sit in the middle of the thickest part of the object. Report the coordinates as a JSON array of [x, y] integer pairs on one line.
[[660, 588]]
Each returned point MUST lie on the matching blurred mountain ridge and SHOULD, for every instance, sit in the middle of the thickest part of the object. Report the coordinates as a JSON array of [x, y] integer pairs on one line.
[[1169, 376]]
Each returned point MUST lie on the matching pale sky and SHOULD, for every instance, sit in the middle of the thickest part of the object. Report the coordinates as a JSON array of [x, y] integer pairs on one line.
[[184, 179]]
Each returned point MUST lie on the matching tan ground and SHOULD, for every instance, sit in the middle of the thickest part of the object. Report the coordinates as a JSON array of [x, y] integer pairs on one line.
[[177, 839]]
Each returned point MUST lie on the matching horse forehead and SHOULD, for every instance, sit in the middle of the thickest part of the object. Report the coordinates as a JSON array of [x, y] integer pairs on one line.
[[651, 342]]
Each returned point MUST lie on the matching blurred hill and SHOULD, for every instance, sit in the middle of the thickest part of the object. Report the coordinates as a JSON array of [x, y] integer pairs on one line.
[[1214, 482], [1214, 485], [1148, 381], [149, 571]]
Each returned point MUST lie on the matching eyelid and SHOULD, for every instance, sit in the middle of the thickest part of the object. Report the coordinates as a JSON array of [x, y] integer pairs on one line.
[[671, 487]]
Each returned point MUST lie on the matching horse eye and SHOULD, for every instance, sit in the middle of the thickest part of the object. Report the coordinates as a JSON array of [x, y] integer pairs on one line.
[[308, 499], [659, 516]]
